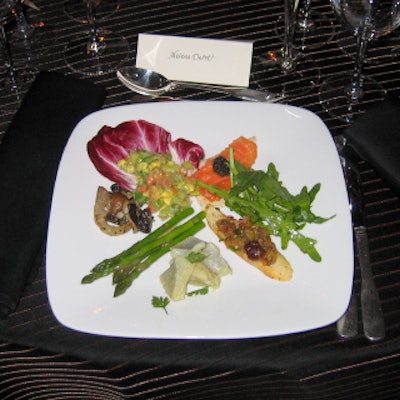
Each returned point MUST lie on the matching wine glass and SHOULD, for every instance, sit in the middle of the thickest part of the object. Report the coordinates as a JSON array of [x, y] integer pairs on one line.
[[286, 71], [97, 53], [29, 40], [12, 78], [76, 9], [346, 95], [379, 51], [313, 29]]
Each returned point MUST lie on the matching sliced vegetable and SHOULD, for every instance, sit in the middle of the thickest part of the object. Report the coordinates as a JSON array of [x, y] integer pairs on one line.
[[193, 262]]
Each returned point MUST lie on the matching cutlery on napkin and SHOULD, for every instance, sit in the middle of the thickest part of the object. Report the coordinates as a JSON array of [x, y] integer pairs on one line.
[[347, 325], [372, 315], [29, 157]]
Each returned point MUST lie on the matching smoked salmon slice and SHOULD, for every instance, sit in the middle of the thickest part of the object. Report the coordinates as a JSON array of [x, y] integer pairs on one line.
[[244, 151]]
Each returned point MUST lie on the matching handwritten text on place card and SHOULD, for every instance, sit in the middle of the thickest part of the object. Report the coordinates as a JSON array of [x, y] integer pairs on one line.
[[214, 61]]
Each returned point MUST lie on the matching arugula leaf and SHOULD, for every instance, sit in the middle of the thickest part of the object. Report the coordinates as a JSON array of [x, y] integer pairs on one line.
[[262, 196], [160, 302]]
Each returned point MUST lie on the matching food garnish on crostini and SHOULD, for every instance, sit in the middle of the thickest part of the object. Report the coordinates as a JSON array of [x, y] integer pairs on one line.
[[249, 241]]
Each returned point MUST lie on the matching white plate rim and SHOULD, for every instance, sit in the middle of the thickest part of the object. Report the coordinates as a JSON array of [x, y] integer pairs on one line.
[[84, 312]]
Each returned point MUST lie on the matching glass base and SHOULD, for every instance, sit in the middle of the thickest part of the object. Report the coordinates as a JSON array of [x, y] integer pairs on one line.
[[76, 9], [379, 51], [17, 79], [13, 86], [114, 50], [34, 44], [335, 99], [33, 38], [311, 33], [268, 73]]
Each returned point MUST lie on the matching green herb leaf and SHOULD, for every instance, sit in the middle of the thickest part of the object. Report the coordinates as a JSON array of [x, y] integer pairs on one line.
[[198, 292], [195, 257], [160, 302]]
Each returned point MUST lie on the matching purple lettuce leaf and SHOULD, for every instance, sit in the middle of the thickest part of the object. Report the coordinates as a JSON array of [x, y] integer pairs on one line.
[[111, 145], [184, 150]]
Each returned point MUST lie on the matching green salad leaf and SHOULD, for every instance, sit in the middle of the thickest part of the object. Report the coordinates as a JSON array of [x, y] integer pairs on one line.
[[263, 197]]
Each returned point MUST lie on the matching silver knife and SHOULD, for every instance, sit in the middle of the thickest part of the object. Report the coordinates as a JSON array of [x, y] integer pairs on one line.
[[372, 315]]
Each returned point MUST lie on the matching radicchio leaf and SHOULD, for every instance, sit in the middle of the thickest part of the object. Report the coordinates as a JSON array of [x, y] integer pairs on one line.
[[184, 150], [111, 145]]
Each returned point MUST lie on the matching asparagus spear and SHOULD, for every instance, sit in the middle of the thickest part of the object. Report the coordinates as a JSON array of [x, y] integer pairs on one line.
[[108, 266], [129, 264], [131, 260], [125, 283]]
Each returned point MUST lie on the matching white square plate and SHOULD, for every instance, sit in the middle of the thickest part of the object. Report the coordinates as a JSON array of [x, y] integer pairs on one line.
[[248, 304]]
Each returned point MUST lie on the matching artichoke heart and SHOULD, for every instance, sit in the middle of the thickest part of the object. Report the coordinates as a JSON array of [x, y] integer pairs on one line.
[[182, 272], [175, 279]]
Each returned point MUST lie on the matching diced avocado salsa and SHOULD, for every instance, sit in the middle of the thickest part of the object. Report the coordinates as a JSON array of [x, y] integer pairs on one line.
[[162, 184]]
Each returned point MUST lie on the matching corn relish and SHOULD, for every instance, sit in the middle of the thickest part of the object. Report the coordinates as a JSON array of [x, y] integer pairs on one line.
[[164, 186]]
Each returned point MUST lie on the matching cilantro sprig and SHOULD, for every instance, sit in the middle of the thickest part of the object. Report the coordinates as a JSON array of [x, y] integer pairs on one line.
[[262, 196], [160, 302]]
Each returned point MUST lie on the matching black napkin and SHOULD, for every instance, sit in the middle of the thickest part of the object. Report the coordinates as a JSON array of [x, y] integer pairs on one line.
[[375, 136], [29, 157]]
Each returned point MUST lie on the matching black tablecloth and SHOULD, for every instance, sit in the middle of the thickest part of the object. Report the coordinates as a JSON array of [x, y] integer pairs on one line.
[[39, 358]]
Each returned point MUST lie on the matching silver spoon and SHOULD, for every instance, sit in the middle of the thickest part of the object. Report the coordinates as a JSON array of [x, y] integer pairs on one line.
[[151, 83]]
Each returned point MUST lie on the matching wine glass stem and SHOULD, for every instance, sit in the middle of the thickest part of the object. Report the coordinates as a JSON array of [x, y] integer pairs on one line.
[[304, 21], [290, 13], [24, 32], [95, 46], [9, 80], [356, 87]]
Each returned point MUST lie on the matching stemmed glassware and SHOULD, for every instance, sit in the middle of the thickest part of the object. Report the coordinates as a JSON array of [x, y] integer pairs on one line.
[[287, 71], [313, 29], [29, 40], [346, 95], [99, 52], [7, 70], [76, 9], [12, 78], [379, 51]]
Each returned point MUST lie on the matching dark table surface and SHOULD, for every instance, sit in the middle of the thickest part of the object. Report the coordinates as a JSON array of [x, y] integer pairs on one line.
[[41, 359]]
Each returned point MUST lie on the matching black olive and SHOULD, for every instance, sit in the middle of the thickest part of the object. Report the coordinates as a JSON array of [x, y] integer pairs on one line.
[[254, 250], [221, 166], [115, 188], [142, 219], [145, 221]]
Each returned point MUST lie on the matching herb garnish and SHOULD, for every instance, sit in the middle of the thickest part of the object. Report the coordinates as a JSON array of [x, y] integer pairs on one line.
[[195, 257], [262, 196], [198, 292], [160, 302]]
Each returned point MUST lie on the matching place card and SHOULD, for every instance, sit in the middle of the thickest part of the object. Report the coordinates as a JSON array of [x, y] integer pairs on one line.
[[213, 61]]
